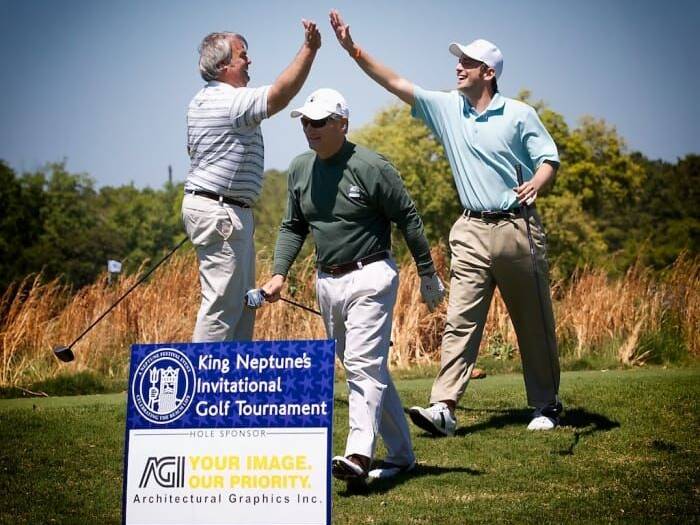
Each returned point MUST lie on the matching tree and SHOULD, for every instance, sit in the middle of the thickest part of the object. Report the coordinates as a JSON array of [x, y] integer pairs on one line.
[[72, 243], [20, 225]]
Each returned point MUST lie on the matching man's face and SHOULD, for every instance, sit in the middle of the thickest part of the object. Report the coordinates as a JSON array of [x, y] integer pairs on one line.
[[325, 136], [472, 73], [237, 68]]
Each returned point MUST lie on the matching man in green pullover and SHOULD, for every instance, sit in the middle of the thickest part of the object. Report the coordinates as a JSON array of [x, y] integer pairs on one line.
[[347, 197]]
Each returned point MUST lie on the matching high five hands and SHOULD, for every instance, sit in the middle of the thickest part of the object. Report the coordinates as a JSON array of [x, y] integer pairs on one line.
[[312, 36], [342, 32]]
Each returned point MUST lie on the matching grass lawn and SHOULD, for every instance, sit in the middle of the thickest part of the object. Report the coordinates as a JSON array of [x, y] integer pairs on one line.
[[628, 450]]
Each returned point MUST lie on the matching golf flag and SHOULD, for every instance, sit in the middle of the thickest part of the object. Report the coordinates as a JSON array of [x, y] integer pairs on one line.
[[229, 433], [114, 266]]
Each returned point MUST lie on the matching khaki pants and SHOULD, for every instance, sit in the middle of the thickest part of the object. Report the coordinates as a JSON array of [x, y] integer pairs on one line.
[[357, 309], [223, 237], [486, 254]]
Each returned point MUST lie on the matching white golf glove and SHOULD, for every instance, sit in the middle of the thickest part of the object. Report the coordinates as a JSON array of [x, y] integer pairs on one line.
[[432, 290], [254, 298]]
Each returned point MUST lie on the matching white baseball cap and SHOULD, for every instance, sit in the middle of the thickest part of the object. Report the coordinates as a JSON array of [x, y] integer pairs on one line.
[[322, 103], [481, 50]]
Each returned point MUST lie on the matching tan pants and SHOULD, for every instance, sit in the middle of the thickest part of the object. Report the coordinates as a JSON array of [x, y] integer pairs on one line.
[[486, 254], [223, 237]]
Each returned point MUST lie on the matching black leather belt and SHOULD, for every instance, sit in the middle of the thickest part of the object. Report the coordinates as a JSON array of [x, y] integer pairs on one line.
[[217, 197], [340, 269], [513, 213]]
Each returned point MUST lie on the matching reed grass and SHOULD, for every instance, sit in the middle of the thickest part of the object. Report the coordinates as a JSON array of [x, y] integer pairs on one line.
[[593, 311]]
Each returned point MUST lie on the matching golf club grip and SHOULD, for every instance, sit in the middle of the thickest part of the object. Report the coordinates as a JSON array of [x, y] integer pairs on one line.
[[129, 291]]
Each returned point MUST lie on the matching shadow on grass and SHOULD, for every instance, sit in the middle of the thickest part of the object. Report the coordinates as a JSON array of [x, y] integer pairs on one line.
[[583, 422], [380, 486]]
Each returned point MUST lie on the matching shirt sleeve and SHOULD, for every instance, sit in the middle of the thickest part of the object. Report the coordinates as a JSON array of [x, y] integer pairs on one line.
[[430, 106], [249, 106], [292, 232], [537, 141], [396, 204]]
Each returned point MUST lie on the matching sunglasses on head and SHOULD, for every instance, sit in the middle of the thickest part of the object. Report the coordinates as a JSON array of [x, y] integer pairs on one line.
[[315, 123]]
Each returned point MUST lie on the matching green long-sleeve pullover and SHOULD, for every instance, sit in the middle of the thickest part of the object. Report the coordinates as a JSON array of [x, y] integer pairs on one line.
[[347, 202]]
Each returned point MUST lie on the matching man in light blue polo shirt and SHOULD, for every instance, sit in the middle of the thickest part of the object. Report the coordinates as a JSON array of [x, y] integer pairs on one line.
[[485, 136]]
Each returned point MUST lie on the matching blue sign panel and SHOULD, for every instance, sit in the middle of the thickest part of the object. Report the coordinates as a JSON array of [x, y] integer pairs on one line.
[[232, 432]]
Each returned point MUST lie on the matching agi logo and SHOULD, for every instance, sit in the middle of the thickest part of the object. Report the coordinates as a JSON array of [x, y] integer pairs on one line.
[[163, 386], [168, 472]]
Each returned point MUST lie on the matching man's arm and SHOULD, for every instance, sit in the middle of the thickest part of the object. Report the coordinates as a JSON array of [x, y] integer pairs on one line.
[[527, 193], [396, 204], [378, 72], [543, 151], [290, 239], [292, 78]]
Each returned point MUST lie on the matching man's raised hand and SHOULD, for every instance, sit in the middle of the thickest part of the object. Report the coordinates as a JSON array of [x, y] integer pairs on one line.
[[342, 32], [312, 36]]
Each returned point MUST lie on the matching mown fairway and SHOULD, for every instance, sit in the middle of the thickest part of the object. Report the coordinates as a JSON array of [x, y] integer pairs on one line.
[[628, 450]]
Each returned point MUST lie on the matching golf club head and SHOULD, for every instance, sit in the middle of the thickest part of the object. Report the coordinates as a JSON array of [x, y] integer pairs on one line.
[[64, 353]]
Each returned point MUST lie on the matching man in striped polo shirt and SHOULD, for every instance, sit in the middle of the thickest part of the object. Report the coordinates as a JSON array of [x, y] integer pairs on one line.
[[225, 145]]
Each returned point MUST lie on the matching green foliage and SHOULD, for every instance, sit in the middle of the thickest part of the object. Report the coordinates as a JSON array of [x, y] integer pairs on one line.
[[145, 221], [668, 221], [19, 223], [57, 223], [572, 239]]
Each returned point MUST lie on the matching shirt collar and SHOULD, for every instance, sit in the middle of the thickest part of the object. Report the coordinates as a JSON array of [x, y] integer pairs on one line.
[[497, 102], [218, 83], [341, 155]]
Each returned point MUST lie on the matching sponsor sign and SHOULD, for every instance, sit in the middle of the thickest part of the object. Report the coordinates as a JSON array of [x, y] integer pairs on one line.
[[229, 433]]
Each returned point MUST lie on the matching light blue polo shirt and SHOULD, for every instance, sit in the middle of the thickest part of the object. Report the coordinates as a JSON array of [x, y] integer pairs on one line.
[[483, 149]]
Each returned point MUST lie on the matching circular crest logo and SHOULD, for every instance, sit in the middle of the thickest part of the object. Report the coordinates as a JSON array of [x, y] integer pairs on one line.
[[163, 386]]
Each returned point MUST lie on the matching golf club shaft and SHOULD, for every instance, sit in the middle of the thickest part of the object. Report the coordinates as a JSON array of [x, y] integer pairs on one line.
[[128, 291], [526, 216], [300, 306], [391, 343]]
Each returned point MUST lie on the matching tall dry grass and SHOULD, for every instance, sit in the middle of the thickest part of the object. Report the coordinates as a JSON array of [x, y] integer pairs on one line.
[[592, 310]]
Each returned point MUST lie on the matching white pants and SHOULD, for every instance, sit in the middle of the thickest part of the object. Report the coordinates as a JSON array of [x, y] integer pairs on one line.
[[357, 308], [223, 237]]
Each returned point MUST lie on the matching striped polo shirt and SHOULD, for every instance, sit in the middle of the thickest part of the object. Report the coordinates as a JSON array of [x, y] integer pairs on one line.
[[224, 140]]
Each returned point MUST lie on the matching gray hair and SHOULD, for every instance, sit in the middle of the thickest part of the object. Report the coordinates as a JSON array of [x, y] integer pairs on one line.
[[215, 53]]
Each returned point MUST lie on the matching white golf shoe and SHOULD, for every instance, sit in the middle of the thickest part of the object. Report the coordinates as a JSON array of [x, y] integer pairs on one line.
[[545, 418], [385, 470], [435, 419]]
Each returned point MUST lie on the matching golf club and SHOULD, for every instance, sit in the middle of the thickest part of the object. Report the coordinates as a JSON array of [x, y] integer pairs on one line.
[[289, 301], [65, 353], [525, 210]]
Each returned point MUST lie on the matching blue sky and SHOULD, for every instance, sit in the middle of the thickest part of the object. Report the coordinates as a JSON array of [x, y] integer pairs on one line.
[[105, 85]]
